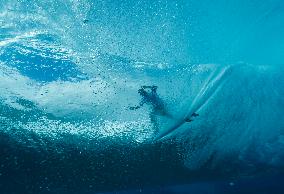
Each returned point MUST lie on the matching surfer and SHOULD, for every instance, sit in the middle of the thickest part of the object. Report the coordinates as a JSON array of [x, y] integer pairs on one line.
[[150, 97]]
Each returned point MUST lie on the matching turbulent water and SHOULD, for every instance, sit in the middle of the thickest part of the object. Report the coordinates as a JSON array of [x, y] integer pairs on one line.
[[70, 71]]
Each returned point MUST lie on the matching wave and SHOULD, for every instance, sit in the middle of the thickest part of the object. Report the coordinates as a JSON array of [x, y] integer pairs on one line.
[[70, 73]]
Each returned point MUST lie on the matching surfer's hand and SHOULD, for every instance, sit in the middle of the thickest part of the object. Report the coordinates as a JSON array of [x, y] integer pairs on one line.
[[134, 107]]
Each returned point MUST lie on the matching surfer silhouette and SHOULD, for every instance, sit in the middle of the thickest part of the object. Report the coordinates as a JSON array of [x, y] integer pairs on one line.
[[150, 97]]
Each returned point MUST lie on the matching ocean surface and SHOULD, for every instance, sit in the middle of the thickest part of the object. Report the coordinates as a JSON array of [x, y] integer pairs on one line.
[[141, 96]]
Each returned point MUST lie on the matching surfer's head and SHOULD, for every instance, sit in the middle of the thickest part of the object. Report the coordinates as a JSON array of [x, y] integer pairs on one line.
[[149, 89], [142, 92], [154, 88]]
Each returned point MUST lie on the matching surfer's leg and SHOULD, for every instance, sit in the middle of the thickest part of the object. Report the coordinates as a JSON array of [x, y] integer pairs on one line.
[[134, 107], [161, 110], [154, 122]]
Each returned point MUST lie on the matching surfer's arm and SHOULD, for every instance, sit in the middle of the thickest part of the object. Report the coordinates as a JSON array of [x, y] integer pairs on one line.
[[136, 107]]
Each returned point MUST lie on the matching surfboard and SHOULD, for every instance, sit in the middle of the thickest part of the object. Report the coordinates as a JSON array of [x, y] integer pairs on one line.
[[210, 87]]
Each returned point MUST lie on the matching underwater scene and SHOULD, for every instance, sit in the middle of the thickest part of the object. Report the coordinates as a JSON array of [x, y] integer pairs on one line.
[[141, 96]]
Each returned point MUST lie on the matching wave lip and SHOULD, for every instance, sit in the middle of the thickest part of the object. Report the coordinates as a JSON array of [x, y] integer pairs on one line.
[[70, 71]]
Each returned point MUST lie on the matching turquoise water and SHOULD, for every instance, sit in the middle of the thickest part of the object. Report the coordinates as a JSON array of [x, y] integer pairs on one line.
[[70, 72]]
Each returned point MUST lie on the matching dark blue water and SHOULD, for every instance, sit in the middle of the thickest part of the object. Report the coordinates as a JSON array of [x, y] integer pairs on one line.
[[257, 185], [70, 72]]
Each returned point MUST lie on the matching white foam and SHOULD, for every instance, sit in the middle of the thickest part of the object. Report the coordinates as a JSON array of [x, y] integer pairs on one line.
[[18, 38]]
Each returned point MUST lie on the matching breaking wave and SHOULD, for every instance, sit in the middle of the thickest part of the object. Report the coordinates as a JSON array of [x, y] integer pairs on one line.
[[71, 70]]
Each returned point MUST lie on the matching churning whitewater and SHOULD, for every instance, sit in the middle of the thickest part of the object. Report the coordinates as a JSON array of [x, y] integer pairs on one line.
[[95, 93]]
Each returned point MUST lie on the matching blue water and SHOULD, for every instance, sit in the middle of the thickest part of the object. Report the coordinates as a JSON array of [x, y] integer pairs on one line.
[[70, 71]]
